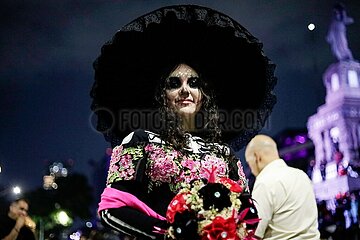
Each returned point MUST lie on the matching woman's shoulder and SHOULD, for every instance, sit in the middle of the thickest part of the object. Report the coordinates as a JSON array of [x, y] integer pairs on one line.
[[224, 148], [205, 145], [141, 136]]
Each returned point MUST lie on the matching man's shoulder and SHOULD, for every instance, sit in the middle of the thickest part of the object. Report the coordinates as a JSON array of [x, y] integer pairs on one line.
[[282, 168], [4, 218], [283, 173], [297, 172], [6, 224]]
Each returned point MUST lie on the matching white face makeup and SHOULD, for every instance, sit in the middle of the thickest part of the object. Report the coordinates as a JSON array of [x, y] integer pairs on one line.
[[182, 91]]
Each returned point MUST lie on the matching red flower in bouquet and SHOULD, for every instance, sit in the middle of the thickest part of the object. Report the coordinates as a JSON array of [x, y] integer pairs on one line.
[[234, 186], [220, 228], [177, 205], [242, 217], [212, 209]]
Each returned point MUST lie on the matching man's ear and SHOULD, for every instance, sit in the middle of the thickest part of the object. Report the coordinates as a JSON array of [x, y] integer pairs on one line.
[[257, 157]]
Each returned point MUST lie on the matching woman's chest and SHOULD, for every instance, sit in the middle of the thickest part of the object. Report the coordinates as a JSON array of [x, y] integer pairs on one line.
[[166, 165]]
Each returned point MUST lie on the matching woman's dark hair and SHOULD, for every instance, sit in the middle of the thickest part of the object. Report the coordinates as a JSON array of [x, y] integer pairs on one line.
[[207, 118]]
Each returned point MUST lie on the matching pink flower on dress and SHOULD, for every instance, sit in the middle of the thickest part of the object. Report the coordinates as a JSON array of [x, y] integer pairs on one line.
[[115, 157], [163, 169], [188, 177], [113, 168], [126, 167], [121, 164], [175, 153], [190, 164], [210, 161], [116, 153], [155, 151], [190, 170], [127, 174], [149, 148], [125, 160]]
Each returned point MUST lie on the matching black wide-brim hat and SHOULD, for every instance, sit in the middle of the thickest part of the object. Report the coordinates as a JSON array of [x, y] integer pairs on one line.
[[229, 58]]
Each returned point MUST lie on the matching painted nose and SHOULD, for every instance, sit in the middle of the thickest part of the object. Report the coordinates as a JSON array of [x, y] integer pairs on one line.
[[184, 91]]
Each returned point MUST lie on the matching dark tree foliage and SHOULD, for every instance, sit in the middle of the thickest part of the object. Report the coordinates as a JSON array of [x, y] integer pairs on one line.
[[73, 194]]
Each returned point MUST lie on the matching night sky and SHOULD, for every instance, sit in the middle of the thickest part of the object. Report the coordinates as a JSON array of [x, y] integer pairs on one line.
[[47, 49]]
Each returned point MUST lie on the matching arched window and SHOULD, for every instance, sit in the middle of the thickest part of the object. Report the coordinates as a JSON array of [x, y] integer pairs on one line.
[[353, 79], [335, 83]]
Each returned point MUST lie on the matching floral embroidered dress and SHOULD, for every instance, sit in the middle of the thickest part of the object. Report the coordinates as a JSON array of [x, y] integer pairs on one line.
[[145, 174]]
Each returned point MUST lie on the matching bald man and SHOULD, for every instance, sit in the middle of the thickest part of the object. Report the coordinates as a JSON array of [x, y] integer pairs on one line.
[[284, 195]]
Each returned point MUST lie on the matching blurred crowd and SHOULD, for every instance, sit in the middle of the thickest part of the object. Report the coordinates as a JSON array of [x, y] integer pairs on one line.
[[339, 218]]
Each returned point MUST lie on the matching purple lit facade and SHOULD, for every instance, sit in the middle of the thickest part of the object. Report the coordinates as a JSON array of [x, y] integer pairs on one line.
[[335, 132]]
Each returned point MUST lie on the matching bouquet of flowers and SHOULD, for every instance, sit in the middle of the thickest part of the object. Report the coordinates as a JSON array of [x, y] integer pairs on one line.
[[212, 209]]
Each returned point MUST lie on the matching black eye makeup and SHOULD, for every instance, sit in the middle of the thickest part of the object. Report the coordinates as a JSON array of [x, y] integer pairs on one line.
[[175, 82], [194, 82]]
